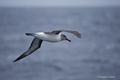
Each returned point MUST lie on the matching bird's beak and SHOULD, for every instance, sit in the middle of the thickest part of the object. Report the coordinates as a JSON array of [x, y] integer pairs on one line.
[[68, 39]]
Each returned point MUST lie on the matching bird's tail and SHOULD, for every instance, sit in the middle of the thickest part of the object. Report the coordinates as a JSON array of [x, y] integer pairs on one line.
[[30, 34]]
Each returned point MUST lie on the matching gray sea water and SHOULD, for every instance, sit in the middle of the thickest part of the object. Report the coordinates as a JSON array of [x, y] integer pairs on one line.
[[96, 56]]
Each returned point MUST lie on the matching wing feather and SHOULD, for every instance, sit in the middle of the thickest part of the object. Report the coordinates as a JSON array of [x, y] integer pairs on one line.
[[36, 43], [69, 31]]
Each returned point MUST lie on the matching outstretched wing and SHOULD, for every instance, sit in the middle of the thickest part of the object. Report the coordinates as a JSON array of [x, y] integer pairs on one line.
[[36, 43], [69, 31]]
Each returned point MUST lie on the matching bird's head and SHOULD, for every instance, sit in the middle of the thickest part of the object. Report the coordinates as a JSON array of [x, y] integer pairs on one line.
[[63, 37]]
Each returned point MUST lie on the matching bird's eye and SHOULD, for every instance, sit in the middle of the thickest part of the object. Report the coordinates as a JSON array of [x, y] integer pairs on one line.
[[64, 35]]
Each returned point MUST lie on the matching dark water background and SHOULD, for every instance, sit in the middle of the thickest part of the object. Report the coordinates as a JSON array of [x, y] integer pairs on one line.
[[96, 56]]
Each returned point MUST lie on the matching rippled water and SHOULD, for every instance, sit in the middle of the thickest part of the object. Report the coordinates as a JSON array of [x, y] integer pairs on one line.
[[93, 57]]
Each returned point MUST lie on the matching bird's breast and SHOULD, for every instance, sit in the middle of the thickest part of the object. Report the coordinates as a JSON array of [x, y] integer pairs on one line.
[[48, 37]]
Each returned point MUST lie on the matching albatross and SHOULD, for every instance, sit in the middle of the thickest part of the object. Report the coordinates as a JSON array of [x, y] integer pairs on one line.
[[39, 37]]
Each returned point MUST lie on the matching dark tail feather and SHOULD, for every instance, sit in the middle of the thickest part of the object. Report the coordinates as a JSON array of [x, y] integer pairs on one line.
[[29, 34]]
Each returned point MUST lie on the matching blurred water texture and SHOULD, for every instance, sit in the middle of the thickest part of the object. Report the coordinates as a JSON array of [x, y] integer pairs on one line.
[[96, 54]]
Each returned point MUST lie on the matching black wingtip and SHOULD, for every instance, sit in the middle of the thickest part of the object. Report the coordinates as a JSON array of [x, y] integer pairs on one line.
[[20, 57], [79, 36], [17, 59]]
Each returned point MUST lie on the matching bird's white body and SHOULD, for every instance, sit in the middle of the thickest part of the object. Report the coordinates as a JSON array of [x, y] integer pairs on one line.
[[48, 37], [54, 36]]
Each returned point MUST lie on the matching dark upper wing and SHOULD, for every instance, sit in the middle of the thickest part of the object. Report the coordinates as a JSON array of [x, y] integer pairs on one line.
[[69, 31], [56, 32], [36, 43]]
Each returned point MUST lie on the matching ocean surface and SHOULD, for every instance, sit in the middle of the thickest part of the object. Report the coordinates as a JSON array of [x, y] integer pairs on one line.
[[96, 56]]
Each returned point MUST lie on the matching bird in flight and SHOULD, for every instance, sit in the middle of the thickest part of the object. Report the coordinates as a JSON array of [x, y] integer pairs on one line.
[[39, 37]]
